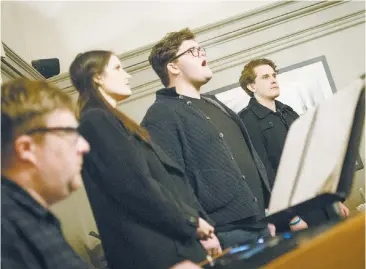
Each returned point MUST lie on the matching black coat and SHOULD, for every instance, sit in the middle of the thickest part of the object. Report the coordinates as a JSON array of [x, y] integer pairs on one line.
[[144, 211], [268, 130], [192, 140]]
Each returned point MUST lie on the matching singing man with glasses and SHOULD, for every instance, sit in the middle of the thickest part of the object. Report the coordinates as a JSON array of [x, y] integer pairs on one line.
[[41, 159], [208, 141]]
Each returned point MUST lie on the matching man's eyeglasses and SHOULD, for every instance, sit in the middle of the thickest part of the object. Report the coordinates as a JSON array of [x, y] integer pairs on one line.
[[70, 130], [194, 51], [53, 129]]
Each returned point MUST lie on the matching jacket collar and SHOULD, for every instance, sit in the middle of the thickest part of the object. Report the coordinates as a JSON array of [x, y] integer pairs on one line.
[[167, 92], [23, 198], [261, 111], [171, 92]]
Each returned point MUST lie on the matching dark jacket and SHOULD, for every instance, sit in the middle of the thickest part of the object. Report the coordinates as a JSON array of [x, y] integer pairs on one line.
[[268, 130], [144, 211], [31, 235], [192, 140]]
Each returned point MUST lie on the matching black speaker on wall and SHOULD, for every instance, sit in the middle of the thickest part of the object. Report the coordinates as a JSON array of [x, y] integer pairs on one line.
[[47, 67]]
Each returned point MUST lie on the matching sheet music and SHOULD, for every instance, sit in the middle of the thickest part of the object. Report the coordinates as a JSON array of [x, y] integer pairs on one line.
[[319, 164], [328, 145], [289, 165]]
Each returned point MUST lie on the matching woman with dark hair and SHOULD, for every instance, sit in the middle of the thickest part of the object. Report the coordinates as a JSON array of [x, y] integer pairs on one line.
[[146, 214]]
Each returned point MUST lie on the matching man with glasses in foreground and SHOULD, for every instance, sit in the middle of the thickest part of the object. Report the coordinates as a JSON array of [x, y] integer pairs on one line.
[[208, 141], [41, 158]]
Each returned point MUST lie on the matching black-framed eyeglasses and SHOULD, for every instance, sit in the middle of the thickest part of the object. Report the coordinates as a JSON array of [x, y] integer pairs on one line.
[[194, 51], [73, 130]]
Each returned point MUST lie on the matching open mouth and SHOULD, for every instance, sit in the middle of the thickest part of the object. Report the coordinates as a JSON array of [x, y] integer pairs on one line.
[[204, 63]]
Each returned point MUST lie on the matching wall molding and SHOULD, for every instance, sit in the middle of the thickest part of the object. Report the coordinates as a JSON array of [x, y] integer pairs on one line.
[[257, 33], [336, 20], [13, 66]]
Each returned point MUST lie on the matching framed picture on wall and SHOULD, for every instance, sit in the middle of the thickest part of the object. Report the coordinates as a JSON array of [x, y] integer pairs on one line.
[[303, 86]]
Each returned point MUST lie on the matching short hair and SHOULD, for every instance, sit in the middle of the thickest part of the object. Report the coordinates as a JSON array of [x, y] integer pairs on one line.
[[25, 105], [248, 75], [165, 50]]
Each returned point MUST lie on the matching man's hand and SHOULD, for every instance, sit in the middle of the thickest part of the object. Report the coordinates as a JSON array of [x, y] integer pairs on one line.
[[299, 226], [212, 245], [204, 230], [272, 229], [344, 211], [185, 265]]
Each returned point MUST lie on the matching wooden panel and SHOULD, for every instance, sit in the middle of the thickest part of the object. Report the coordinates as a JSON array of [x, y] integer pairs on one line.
[[339, 248]]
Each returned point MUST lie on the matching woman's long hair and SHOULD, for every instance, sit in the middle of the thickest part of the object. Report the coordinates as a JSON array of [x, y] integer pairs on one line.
[[82, 73]]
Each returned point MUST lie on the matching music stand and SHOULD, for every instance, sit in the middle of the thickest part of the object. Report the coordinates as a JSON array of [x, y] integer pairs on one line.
[[299, 155]]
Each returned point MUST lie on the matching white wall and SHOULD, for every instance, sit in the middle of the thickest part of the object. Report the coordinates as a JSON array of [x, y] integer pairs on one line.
[[48, 29], [29, 34], [77, 221]]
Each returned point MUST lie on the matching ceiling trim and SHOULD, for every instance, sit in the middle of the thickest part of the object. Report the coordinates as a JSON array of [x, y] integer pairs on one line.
[[131, 56], [266, 48], [261, 31]]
